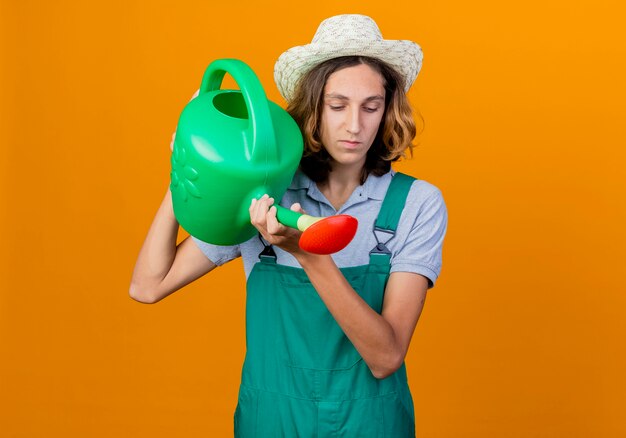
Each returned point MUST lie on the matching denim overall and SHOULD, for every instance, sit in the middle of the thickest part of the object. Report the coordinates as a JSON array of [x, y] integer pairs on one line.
[[302, 377]]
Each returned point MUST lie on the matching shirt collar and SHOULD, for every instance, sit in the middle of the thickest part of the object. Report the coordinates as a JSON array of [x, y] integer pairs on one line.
[[375, 187]]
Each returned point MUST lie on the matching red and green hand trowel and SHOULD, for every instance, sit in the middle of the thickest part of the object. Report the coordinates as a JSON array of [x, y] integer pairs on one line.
[[233, 146]]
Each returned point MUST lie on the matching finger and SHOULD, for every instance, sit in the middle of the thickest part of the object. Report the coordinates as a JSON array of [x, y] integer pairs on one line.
[[173, 140], [273, 226], [258, 211], [297, 207], [265, 208], [252, 208]]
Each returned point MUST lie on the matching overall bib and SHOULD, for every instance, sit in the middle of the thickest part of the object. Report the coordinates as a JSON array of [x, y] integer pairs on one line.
[[302, 377]]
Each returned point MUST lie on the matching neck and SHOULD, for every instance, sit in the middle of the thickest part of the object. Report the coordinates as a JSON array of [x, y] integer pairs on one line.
[[341, 182]]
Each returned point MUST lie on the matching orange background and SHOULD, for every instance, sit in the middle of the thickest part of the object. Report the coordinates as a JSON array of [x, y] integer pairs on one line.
[[523, 335]]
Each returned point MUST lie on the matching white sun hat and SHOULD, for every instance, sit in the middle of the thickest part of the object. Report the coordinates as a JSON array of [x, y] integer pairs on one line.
[[346, 35]]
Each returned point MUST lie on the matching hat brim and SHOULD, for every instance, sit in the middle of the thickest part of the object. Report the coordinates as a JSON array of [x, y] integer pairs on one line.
[[403, 55]]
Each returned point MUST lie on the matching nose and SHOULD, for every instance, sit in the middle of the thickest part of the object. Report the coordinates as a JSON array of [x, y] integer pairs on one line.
[[353, 122]]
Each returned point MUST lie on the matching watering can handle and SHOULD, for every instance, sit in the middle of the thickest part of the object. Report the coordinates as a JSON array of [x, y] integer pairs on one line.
[[260, 136]]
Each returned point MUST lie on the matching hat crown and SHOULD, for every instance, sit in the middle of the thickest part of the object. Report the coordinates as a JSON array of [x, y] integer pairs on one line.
[[346, 35], [347, 27]]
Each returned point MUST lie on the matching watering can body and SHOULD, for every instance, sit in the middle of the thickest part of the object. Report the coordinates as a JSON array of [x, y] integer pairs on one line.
[[231, 146]]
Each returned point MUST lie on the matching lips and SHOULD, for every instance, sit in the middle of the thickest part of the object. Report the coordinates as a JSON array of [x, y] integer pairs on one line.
[[349, 143]]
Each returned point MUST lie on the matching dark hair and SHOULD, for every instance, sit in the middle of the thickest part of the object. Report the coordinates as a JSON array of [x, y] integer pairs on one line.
[[395, 134]]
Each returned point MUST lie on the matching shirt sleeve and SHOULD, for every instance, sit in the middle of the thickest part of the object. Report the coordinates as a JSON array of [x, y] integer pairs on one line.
[[422, 250], [218, 254]]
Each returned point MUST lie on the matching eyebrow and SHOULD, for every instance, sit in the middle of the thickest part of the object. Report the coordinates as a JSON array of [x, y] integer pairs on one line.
[[342, 97]]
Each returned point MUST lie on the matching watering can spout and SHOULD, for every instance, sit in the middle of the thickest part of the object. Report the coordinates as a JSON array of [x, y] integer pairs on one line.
[[320, 235]]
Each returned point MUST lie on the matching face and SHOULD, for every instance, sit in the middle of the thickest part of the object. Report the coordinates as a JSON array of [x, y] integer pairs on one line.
[[354, 103]]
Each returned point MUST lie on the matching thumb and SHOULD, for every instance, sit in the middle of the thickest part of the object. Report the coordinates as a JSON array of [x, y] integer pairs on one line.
[[173, 140], [297, 207]]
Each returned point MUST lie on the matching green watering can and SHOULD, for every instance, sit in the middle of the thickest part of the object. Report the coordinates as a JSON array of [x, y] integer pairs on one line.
[[233, 146]]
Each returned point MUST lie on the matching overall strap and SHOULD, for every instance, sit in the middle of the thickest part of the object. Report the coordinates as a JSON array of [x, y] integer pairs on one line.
[[268, 255], [389, 215]]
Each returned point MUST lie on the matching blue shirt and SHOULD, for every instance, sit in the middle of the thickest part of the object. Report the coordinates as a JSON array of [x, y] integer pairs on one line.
[[416, 247]]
